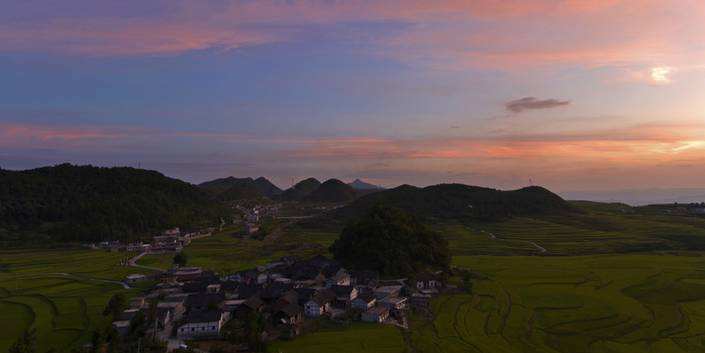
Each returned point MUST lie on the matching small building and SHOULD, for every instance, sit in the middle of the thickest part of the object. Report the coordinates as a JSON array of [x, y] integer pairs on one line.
[[134, 278], [341, 278], [204, 301], [129, 314], [184, 274], [377, 314], [320, 304], [213, 288], [344, 294], [163, 317], [176, 308], [420, 301], [201, 324], [427, 281], [394, 303], [364, 301], [388, 291], [290, 314], [233, 305], [122, 327]]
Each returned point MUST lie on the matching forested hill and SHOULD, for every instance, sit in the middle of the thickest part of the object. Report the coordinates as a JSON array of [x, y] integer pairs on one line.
[[85, 203], [459, 201]]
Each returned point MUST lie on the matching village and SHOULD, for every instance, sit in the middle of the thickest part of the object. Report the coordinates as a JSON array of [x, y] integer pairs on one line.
[[174, 240], [191, 303]]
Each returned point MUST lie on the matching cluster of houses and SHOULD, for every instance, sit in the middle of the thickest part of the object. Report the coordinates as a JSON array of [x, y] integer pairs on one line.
[[697, 208], [253, 216], [170, 241], [190, 303]]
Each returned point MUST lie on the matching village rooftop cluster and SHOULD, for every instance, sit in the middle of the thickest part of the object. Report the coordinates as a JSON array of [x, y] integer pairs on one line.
[[190, 303]]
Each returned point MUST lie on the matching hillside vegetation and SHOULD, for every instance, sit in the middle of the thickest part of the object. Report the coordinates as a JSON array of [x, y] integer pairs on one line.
[[262, 186], [332, 190], [85, 203], [301, 190], [392, 243], [457, 201]]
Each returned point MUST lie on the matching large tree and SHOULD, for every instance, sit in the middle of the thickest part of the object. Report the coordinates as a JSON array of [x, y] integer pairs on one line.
[[391, 242]]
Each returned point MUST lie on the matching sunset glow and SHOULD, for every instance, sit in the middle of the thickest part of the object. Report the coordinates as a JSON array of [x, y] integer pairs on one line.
[[571, 94]]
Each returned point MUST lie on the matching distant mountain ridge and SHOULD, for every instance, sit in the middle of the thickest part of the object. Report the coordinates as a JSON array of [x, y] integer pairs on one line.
[[333, 190], [301, 189], [358, 184], [218, 186], [461, 201]]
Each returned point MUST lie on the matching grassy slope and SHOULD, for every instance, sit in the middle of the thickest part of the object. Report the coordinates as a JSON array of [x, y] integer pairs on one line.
[[64, 309], [228, 252], [607, 302], [601, 303], [359, 337]]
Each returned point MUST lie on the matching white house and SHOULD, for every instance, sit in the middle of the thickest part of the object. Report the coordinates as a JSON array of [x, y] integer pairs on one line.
[[135, 277], [320, 304], [316, 307], [201, 324]]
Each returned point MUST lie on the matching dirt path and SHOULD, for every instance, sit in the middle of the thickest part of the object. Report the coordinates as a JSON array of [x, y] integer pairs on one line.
[[132, 262], [540, 248]]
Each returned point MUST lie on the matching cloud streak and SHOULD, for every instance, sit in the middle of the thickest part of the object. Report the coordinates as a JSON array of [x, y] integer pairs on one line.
[[532, 103], [442, 33]]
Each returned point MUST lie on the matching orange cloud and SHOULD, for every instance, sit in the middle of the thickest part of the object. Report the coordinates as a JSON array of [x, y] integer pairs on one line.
[[12, 133]]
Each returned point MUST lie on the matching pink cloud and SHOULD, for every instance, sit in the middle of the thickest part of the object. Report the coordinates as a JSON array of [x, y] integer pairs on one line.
[[124, 37], [22, 133], [446, 33]]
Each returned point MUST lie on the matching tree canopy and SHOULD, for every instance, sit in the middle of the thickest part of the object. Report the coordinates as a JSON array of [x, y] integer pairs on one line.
[[85, 203], [391, 242]]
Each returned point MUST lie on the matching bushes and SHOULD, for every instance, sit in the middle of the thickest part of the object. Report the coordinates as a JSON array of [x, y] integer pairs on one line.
[[392, 243]]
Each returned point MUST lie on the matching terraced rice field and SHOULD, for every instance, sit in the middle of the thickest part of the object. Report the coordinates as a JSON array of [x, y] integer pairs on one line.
[[227, 253], [60, 293], [607, 303]]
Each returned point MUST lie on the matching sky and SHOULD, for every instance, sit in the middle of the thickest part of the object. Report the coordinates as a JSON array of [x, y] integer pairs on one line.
[[571, 95]]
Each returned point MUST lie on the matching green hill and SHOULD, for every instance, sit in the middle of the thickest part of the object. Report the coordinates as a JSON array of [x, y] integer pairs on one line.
[[262, 184], [302, 189], [457, 201], [85, 203], [333, 190], [244, 191]]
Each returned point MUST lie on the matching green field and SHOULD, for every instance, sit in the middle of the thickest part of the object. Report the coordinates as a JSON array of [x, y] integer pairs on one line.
[[60, 293], [357, 338], [634, 289], [606, 303], [228, 252]]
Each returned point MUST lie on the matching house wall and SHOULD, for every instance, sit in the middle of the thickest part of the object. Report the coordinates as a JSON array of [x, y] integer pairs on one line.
[[313, 309], [199, 329]]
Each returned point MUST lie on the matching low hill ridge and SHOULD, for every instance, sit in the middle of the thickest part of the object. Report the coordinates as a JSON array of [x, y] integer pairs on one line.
[[461, 201], [86, 203], [333, 190]]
